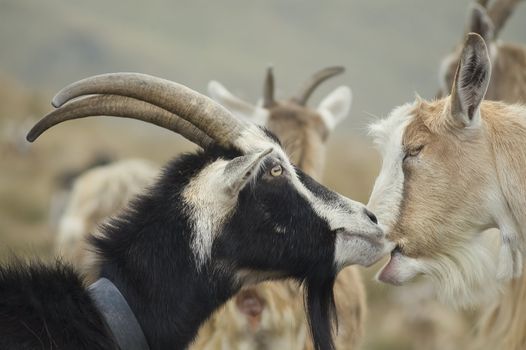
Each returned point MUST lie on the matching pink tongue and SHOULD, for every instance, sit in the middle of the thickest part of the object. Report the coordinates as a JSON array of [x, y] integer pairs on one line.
[[388, 273]]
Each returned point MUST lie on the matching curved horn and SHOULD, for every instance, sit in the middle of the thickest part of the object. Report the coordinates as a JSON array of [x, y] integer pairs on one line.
[[206, 115], [268, 89], [319, 77], [120, 106]]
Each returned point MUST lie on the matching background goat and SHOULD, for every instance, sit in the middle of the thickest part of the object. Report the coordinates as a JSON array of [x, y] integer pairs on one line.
[[206, 228], [95, 196], [508, 61], [303, 131], [63, 185]]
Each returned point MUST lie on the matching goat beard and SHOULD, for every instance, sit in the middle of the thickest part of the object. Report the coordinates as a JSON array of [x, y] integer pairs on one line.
[[320, 307]]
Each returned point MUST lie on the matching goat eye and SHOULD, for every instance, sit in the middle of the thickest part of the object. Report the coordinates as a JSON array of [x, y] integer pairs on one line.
[[413, 152], [276, 170]]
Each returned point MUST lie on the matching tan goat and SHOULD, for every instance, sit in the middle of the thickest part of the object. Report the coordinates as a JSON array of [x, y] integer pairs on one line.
[[270, 316], [503, 321], [302, 130], [508, 78], [453, 168]]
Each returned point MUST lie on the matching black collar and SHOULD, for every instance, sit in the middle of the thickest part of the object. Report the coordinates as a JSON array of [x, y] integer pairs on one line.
[[118, 315]]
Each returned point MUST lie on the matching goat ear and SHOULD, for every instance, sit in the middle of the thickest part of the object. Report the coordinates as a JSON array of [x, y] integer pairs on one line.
[[336, 106], [236, 105], [479, 22], [471, 81], [239, 171]]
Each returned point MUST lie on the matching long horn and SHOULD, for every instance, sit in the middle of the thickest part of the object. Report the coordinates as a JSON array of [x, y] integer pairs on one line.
[[310, 85], [500, 12], [268, 89], [206, 115], [120, 106]]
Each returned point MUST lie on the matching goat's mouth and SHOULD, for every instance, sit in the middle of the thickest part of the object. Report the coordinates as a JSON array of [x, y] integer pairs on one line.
[[396, 250], [363, 247], [374, 237], [399, 269]]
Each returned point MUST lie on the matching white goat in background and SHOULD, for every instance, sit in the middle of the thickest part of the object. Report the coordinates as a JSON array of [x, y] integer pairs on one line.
[[96, 195]]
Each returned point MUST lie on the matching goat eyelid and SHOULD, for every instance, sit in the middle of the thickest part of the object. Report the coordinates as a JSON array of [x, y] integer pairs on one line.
[[413, 152], [276, 170]]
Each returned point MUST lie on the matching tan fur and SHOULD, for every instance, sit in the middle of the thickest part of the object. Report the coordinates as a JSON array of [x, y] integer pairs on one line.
[[446, 183], [503, 324], [508, 81], [453, 167], [283, 324], [446, 191]]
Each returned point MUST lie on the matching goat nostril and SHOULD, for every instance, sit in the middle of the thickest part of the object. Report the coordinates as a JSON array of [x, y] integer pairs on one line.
[[371, 217]]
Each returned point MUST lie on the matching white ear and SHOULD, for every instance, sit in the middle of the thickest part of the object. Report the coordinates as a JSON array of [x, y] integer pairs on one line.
[[236, 105], [336, 106]]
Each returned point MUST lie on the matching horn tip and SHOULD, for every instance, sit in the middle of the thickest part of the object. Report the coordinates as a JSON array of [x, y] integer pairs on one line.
[[57, 101], [31, 136], [35, 132]]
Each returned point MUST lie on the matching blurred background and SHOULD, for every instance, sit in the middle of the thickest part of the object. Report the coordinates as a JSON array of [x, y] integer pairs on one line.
[[390, 48]]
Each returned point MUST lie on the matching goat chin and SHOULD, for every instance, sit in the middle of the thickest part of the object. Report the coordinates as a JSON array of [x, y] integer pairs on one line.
[[467, 276]]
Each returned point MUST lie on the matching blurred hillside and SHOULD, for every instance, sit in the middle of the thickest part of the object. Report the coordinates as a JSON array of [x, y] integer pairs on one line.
[[391, 48]]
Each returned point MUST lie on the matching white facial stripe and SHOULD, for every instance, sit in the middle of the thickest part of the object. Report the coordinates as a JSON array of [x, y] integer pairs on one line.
[[208, 208], [335, 215], [348, 215], [387, 193], [209, 212]]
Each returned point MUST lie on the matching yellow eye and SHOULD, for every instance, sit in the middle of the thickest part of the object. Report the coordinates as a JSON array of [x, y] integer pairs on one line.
[[276, 170]]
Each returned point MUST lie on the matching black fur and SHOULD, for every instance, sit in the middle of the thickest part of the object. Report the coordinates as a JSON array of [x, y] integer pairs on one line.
[[47, 307], [147, 254]]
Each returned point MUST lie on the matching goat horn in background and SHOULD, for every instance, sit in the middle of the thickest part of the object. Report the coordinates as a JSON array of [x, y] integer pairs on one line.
[[310, 85]]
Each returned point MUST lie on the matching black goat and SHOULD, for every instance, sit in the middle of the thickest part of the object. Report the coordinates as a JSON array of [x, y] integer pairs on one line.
[[235, 213]]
